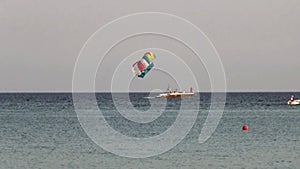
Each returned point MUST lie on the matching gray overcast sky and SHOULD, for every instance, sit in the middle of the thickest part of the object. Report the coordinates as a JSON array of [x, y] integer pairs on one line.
[[258, 40]]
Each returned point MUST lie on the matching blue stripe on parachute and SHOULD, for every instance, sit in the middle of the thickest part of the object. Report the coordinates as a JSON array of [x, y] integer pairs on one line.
[[147, 59]]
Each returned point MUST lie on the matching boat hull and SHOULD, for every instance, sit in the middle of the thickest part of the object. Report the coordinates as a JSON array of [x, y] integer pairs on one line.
[[175, 95], [295, 102]]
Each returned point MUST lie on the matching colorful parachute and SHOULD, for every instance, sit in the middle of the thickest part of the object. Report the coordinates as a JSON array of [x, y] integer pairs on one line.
[[143, 66]]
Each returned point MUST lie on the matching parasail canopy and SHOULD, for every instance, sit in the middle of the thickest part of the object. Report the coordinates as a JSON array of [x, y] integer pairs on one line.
[[143, 66]]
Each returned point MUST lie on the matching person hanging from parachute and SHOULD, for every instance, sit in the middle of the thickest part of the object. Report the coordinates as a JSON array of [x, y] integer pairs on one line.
[[143, 66]]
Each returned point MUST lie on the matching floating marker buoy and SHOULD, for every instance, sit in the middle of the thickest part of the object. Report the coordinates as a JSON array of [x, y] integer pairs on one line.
[[245, 127]]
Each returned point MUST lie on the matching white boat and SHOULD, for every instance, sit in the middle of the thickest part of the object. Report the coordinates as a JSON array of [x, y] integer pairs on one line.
[[174, 94], [292, 101]]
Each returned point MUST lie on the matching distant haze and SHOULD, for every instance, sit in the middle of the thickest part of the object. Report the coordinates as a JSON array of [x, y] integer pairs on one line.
[[258, 41]]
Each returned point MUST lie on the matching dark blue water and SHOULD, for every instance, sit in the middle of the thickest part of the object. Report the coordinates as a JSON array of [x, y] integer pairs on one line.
[[42, 131]]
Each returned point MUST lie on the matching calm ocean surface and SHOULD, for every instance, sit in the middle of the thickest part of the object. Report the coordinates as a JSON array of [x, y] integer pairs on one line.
[[42, 131]]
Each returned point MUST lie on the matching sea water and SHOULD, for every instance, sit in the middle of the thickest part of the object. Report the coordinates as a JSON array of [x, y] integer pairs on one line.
[[42, 130]]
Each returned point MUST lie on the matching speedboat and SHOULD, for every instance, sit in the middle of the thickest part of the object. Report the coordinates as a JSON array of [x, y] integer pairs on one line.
[[292, 101], [174, 94]]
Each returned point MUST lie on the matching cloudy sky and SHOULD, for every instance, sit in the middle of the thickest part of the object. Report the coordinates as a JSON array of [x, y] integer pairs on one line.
[[257, 40]]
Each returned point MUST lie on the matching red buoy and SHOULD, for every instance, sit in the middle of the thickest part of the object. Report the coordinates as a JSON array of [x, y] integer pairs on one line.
[[245, 127]]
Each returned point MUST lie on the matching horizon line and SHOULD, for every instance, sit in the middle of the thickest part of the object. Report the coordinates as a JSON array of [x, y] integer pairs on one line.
[[57, 92]]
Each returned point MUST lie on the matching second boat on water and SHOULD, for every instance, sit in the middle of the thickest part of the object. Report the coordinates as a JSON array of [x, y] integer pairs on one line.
[[292, 101]]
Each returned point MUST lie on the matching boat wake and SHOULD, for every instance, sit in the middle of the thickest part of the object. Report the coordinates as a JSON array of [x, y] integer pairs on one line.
[[149, 97]]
